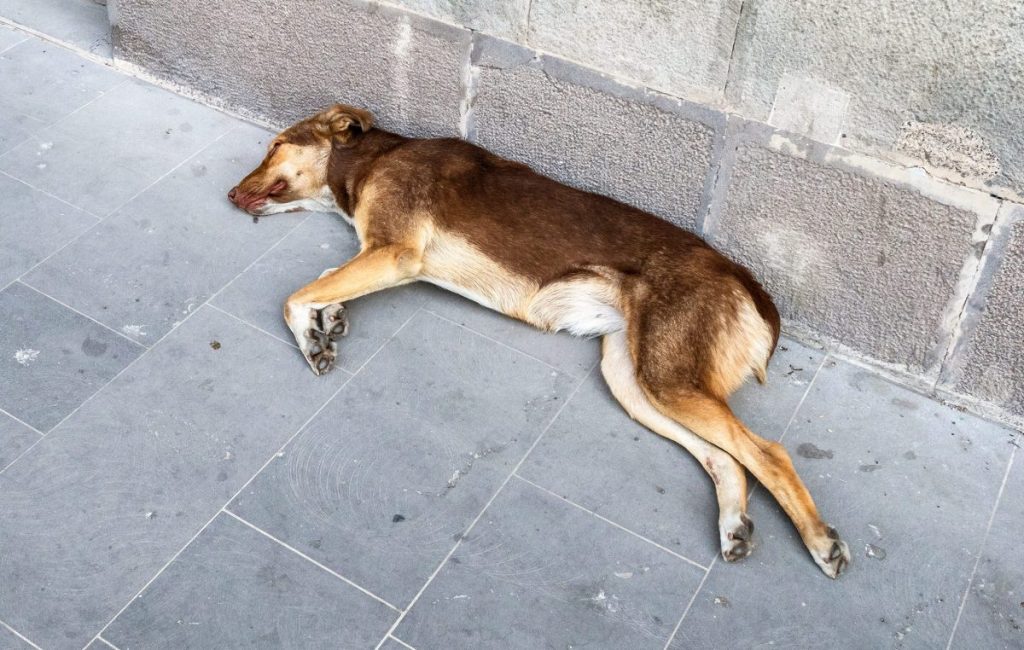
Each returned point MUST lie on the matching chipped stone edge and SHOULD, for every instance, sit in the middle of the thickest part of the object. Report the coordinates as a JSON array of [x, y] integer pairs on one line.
[[988, 267], [1002, 190], [950, 323]]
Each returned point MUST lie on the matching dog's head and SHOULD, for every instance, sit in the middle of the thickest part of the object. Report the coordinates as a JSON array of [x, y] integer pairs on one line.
[[293, 174]]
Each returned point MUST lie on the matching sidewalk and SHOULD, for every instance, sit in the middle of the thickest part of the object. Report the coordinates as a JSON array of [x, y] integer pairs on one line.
[[173, 475]]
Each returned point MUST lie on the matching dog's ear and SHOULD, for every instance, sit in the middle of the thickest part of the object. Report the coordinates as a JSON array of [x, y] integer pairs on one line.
[[344, 122]]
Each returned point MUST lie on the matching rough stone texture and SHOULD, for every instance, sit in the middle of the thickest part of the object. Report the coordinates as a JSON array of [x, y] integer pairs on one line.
[[506, 18], [956, 65], [652, 156], [684, 48], [284, 61], [992, 366], [862, 261]]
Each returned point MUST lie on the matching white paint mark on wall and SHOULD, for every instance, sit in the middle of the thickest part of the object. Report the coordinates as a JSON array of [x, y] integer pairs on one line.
[[25, 356], [809, 107], [791, 252], [402, 43], [403, 40]]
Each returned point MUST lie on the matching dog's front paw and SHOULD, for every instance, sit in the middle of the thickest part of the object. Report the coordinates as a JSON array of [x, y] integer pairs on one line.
[[317, 335], [319, 350], [333, 321]]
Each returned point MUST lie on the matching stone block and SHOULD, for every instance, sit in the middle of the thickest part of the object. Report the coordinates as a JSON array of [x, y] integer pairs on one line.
[[865, 254], [682, 48], [283, 61], [583, 129]]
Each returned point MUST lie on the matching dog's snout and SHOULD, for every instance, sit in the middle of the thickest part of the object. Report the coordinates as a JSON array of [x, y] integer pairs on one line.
[[233, 194]]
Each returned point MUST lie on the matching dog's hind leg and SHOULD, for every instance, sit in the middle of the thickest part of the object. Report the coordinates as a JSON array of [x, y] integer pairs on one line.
[[713, 420], [315, 313], [735, 528]]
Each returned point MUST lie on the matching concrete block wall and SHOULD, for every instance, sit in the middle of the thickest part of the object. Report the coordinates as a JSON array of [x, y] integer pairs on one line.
[[865, 160]]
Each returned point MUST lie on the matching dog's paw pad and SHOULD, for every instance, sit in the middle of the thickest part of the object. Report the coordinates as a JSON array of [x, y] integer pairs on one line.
[[835, 556], [320, 351], [737, 538]]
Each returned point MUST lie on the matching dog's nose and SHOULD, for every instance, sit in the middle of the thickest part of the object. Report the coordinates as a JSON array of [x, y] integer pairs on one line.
[[232, 194]]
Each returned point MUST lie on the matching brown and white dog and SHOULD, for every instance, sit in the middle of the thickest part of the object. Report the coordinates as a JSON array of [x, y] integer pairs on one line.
[[682, 326]]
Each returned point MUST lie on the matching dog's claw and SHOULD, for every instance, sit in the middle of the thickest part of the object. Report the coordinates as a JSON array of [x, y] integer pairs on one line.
[[333, 321]]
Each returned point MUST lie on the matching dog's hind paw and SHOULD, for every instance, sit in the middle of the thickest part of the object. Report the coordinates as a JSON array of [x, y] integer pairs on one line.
[[737, 537], [834, 557]]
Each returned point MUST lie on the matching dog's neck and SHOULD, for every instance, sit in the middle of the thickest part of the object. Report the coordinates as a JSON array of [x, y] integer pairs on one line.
[[348, 166]]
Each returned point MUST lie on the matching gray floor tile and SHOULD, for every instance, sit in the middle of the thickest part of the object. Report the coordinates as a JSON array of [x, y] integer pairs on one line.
[[571, 355], [910, 485], [145, 268], [52, 359], [100, 504], [134, 133], [15, 438], [993, 615], [10, 37], [536, 572], [10, 641], [323, 241], [767, 409], [69, 169], [597, 456], [235, 588], [47, 82], [16, 128], [34, 226], [406, 456], [82, 23]]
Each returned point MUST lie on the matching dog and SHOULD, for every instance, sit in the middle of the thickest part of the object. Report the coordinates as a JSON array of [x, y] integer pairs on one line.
[[682, 326]]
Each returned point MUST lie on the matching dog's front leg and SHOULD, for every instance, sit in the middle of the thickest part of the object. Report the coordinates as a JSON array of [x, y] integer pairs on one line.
[[315, 314]]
